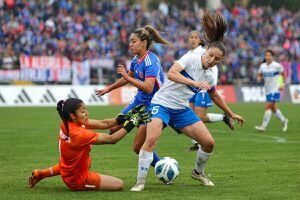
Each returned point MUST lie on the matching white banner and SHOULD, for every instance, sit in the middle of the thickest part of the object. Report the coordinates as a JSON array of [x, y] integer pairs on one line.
[[48, 95], [295, 93], [253, 94]]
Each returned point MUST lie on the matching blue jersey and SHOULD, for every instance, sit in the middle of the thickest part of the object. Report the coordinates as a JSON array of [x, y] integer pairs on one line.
[[147, 67]]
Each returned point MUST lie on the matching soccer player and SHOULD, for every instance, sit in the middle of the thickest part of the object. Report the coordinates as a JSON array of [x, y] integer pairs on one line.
[[75, 143], [269, 71], [201, 100], [170, 105], [145, 73]]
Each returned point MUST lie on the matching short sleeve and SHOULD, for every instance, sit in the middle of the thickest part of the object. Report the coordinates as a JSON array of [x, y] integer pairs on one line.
[[153, 70], [215, 76], [185, 60], [132, 66], [280, 68], [86, 137]]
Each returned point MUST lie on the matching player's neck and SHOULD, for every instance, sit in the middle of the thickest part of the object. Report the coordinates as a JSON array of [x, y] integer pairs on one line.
[[268, 63], [142, 54]]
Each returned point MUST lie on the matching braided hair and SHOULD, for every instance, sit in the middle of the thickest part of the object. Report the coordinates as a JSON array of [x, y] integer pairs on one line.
[[151, 35], [65, 108]]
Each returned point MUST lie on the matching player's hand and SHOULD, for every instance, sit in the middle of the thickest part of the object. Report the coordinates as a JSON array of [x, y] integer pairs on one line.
[[102, 92], [239, 118], [202, 85], [121, 118], [122, 70]]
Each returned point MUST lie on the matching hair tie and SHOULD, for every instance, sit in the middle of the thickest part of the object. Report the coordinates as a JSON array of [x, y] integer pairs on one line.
[[62, 105]]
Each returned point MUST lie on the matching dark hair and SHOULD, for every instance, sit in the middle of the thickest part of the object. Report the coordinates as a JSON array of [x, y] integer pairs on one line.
[[64, 108], [214, 29], [151, 35], [270, 51], [201, 42]]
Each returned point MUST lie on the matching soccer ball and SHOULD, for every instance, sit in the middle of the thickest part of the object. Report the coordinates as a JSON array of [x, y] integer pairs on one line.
[[167, 169]]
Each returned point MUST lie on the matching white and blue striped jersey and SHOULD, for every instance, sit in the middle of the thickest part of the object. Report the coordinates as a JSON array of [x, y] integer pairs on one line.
[[176, 95], [270, 74]]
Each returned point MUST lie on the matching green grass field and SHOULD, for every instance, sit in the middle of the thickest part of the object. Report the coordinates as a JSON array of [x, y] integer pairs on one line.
[[245, 165]]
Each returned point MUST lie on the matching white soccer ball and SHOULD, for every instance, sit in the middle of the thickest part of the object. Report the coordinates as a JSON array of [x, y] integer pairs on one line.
[[167, 169]]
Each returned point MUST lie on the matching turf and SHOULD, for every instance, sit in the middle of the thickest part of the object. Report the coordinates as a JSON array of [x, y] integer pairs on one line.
[[245, 165]]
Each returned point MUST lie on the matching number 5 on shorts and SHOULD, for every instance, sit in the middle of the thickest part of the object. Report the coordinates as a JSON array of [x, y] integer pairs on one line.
[[155, 110]]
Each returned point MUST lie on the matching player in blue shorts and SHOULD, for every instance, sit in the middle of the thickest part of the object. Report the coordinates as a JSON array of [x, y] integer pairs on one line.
[[269, 71], [145, 73], [170, 105], [201, 101]]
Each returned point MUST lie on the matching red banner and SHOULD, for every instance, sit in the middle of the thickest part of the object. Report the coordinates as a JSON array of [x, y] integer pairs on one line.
[[227, 92]]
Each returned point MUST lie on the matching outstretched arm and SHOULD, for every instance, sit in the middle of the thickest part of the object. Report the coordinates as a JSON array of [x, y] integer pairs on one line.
[[101, 124], [218, 100]]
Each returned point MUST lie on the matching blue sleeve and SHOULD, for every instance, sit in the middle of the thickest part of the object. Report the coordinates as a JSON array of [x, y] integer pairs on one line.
[[153, 69], [132, 66]]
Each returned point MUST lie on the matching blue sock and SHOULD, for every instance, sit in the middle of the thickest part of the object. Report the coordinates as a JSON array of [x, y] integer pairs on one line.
[[155, 159]]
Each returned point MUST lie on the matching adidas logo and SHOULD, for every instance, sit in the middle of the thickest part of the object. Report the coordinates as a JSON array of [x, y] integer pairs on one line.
[[72, 94], [95, 99], [2, 100], [23, 98], [48, 97]]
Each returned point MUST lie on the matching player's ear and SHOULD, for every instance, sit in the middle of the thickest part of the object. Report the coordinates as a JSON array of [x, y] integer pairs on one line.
[[144, 43], [72, 117]]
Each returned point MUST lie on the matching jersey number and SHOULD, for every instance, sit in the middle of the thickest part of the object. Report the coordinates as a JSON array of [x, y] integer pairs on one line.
[[155, 110]]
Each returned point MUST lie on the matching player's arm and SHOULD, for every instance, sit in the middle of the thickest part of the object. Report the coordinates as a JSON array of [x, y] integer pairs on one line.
[[110, 139], [146, 86], [101, 124], [259, 77], [175, 75], [119, 83], [219, 101]]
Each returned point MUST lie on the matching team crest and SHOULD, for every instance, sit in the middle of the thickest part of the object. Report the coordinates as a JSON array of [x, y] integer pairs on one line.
[[141, 75]]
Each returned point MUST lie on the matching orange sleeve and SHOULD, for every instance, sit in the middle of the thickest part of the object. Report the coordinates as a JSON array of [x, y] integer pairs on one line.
[[86, 137]]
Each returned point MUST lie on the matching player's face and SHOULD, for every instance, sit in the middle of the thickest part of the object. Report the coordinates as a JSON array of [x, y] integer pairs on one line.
[[194, 40], [82, 115], [212, 57], [268, 57], [136, 45]]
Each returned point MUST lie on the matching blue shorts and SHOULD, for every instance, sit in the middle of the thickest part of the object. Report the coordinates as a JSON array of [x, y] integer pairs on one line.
[[273, 97], [201, 99], [175, 118]]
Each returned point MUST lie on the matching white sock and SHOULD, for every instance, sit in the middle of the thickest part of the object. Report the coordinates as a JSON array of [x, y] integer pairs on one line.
[[279, 115], [145, 160], [194, 142], [201, 160], [213, 117], [267, 117]]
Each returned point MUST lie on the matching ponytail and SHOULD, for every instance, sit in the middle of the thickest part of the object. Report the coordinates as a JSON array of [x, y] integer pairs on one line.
[[151, 35], [64, 108], [214, 29]]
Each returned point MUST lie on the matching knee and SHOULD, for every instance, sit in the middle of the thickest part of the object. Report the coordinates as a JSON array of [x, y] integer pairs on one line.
[[208, 145]]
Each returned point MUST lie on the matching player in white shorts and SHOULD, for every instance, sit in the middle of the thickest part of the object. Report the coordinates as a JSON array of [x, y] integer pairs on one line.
[[270, 71], [201, 101], [170, 105]]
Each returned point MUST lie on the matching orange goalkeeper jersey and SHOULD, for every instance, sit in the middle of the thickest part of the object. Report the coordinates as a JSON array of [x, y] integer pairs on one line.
[[74, 161]]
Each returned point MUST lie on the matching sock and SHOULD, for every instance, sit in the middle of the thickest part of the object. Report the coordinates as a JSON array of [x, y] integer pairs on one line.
[[194, 142], [51, 171], [267, 117], [279, 115], [145, 159], [201, 160], [155, 159], [212, 117]]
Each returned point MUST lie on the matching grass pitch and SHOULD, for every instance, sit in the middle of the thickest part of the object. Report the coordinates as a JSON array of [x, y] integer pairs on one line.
[[245, 164]]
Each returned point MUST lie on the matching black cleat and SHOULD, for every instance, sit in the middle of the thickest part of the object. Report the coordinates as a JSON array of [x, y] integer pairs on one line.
[[229, 121]]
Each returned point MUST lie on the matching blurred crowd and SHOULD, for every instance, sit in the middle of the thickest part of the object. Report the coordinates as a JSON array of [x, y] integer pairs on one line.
[[102, 29]]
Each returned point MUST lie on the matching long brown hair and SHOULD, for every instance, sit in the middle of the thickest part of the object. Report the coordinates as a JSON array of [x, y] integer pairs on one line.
[[151, 35], [214, 27]]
